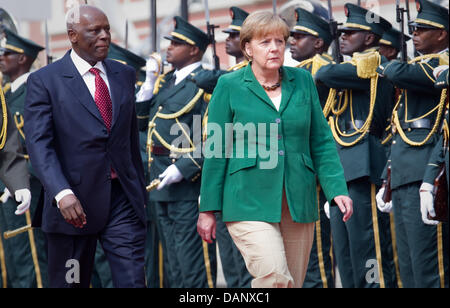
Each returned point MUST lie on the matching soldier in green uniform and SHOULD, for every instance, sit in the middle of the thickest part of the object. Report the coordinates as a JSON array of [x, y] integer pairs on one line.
[[26, 258], [174, 120], [152, 255], [311, 38], [13, 172], [233, 265], [357, 118], [417, 116], [390, 43]]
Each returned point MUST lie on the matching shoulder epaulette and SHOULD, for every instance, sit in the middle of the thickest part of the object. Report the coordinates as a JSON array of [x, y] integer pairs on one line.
[[238, 66], [158, 82], [443, 58], [366, 63], [7, 87]]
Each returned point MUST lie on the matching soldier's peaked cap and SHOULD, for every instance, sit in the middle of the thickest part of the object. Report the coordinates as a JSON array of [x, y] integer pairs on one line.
[[238, 16], [15, 43], [431, 15], [309, 23], [360, 19], [392, 37], [186, 33], [125, 56]]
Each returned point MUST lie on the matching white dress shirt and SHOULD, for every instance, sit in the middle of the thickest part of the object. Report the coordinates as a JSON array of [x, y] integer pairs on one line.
[[185, 71], [18, 82], [83, 68]]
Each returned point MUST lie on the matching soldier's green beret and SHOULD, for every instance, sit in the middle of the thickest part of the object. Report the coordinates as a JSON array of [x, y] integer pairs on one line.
[[431, 15], [13, 42], [309, 23], [392, 37], [186, 33], [125, 56], [360, 19], [238, 16]]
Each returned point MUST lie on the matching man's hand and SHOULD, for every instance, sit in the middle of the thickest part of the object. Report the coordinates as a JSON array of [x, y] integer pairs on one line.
[[427, 204], [72, 211], [345, 204], [383, 207], [206, 226], [23, 196], [5, 196], [169, 176]]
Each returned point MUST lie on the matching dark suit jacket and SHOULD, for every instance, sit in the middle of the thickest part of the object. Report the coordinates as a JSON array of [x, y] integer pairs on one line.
[[70, 147]]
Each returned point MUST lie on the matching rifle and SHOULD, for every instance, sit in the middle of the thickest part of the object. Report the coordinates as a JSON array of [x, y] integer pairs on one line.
[[387, 195], [153, 24], [334, 32], [47, 45], [440, 190], [210, 31], [400, 19]]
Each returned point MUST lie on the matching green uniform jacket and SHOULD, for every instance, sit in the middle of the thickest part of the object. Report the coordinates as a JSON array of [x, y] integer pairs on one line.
[[367, 158], [13, 168], [408, 162], [292, 146], [172, 100], [16, 104], [439, 155], [308, 65]]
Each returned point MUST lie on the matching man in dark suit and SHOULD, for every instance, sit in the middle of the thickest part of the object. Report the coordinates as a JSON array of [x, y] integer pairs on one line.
[[83, 142]]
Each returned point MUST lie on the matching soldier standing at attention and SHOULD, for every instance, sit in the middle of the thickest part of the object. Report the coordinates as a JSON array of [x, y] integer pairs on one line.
[[24, 271], [357, 119], [174, 144], [417, 116], [390, 43], [311, 38]]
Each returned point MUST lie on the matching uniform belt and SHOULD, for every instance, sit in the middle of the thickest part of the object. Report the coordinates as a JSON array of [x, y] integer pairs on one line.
[[350, 125], [421, 123], [160, 150]]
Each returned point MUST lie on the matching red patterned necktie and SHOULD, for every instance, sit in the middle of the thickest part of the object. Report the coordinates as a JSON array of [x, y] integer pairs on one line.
[[102, 98], [104, 104]]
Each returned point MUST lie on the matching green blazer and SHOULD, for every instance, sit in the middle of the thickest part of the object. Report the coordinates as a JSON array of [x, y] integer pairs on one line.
[[297, 138]]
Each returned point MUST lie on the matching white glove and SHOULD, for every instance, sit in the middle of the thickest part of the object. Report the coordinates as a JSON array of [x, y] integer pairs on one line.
[[326, 208], [438, 70], [152, 69], [23, 196], [5, 196], [383, 207], [169, 176], [427, 203]]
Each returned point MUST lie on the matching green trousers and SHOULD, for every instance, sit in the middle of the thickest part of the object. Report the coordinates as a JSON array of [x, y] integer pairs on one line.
[[320, 273], [422, 249], [363, 244], [25, 254], [192, 263]]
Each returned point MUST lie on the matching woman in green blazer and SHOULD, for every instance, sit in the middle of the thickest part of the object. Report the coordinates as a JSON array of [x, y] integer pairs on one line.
[[267, 142]]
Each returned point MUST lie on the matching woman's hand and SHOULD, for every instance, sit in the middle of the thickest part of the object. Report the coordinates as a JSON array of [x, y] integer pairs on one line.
[[206, 226], [345, 204]]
